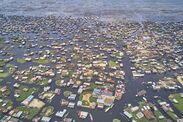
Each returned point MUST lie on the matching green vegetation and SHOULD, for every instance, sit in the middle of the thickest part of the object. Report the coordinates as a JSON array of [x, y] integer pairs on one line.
[[2, 62], [116, 120], [48, 96], [10, 65], [47, 111], [117, 54], [76, 56], [100, 56], [93, 99], [177, 97], [67, 93], [157, 114], [101, 39], [42, 82], [58, 82], [1, 39], [7, 92], [113, 64], [63, 60], [28, 112], [70, 73], [87, 98], [9, 104], [12, 68], [24, 92], [93, 86], [172, 115], [8, 48], [80, 97], [4, 75], [4, 93], [41, 61], [85, 103], [143, 119], [21, 60], [83, 93]]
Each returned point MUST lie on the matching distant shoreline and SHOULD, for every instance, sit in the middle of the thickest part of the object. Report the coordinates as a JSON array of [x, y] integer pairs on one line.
[[107, 19]]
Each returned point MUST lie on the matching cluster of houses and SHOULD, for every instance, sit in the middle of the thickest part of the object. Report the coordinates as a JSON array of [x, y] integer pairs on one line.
[[168, 109], [40, 74], [155, 51], [167, 83], [144, 112], [147, 111], [59, 65], [87, 62]]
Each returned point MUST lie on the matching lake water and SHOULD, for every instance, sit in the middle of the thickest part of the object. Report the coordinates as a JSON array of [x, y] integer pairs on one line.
[[139, 10]]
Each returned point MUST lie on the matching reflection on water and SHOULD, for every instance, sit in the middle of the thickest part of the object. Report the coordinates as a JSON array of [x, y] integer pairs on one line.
[[119, 9]]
